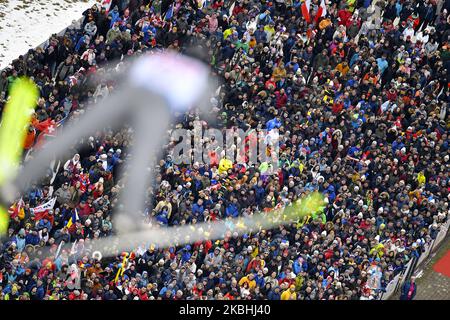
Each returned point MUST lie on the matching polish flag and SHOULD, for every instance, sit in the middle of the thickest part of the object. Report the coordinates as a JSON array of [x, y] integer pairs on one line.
[[321, 11], [43, 208], [42, 211], [305, 10]]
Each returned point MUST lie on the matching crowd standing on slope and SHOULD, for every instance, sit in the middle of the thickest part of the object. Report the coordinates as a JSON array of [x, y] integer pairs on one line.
[[358, 90]]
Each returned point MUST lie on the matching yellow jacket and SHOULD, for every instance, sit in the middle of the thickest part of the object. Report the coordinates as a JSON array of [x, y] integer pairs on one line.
[[224, 165], [421, 178], [251, 283], [227, 33], [288, 295], [342, 69]]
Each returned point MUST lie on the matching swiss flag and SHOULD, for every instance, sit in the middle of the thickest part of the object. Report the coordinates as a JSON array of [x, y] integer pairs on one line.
[[47, 129], [43, 126]]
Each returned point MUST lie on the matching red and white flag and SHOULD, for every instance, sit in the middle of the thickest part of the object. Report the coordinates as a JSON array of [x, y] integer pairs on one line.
[[106, 4], [48, 129], [230, 11], [17, 209], [305, 10], [44, 207], [321, 11], [42, 211]]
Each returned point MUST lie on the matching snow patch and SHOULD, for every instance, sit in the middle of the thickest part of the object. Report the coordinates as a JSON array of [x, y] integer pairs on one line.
[[25, 24]]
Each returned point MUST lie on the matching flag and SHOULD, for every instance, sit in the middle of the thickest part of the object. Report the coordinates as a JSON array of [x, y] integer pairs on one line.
[[202, 3], [42, 126], [305, 10], [73, 249], [73, 219], [321, 11], [17, 210], [121, 269], [44, 207], [47, 129], [106, 4], [41, 212], [59, 249], [230, 12], [169, 13]]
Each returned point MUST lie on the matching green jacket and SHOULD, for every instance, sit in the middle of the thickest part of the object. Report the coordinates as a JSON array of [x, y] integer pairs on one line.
[[112, 35], [299, 280]]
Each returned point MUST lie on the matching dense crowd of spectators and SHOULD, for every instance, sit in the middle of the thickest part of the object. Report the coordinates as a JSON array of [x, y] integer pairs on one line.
[[360, 99]]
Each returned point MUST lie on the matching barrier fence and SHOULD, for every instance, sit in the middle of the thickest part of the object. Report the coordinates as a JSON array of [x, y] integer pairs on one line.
[[395, 284]]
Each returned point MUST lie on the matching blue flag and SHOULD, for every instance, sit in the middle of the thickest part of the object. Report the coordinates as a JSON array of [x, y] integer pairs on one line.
[[169, 13]]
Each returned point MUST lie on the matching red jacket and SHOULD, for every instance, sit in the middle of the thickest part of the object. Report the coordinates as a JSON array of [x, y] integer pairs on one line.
[[344, 15], [281, 99], [87, 210]]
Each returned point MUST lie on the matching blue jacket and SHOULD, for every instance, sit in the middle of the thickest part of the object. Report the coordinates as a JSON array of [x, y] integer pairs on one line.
[[300, 267], [162, 217], [382, 64], [114, 17], [259, 193], [272, 295], [260, 36], [272, 124], [40, 292], [405, 289], [79, 43], [42, 224], [32, 239], [259, 281], [232, 210], [197, 209], [20, 242], [397, 145]]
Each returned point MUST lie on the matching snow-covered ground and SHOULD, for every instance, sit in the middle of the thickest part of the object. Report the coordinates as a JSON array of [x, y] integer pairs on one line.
[[25, 24]]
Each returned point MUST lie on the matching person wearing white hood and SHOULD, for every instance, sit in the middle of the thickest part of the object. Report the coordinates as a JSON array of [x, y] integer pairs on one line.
[[409, 31], [73, 164], [103, 158]]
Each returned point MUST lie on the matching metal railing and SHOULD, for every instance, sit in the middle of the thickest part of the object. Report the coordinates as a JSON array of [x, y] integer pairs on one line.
[[429, 249]]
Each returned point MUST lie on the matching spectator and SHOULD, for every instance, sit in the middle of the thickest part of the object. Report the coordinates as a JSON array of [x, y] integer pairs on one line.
[[360, 104], [409, 289]]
